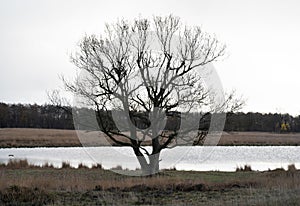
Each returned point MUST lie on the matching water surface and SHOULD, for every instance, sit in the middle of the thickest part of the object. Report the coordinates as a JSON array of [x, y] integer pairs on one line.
[[222, 158]]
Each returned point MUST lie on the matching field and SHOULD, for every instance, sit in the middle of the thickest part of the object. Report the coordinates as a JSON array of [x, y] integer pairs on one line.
[[12, 137], [23, 184]]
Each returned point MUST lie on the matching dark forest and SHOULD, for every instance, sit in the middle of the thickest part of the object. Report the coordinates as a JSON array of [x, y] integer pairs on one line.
[[54, 117]]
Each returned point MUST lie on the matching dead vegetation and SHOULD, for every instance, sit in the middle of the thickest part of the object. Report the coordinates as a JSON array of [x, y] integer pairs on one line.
[[21, 182], [259, 139], [25, 137]]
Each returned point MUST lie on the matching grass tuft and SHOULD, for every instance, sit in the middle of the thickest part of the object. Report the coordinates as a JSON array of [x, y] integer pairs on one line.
[[82, 166], [292, 168], [66, 165], [47, 165], [245, 168], [118, 167], [97, 166]]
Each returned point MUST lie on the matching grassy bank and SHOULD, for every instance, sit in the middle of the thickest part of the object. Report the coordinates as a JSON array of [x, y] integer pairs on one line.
[[25, 137], [21, 183]]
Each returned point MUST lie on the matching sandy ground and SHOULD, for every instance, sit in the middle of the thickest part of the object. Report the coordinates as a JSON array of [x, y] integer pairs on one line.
[[25, 137]]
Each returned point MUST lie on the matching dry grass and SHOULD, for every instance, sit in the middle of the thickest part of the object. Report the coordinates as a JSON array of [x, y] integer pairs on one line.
[[24, 137], [23, 164], [23, 174], [97, 186], [246, 168], [259, 138], [17, 137]]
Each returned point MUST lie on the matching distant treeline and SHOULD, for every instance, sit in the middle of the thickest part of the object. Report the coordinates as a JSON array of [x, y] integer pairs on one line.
[[54, 117], [34, 116]]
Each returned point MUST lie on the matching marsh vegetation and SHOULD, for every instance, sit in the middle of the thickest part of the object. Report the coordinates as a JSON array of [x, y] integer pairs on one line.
[[22, 183]]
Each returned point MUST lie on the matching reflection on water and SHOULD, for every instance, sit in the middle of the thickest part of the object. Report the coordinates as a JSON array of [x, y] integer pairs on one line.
[[183, 158]]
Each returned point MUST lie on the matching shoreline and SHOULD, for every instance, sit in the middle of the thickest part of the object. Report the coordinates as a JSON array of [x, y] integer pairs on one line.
[[116, 146]]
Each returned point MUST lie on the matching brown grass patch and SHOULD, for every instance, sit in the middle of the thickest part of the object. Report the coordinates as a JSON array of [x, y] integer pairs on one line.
[[25, 137], [168, 187], [259, 138]]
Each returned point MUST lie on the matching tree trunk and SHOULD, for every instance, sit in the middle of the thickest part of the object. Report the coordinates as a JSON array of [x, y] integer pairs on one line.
[[150, 168], [154, 163]]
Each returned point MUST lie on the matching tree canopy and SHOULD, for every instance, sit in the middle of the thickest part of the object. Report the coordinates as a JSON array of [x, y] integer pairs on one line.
[[138, 73]]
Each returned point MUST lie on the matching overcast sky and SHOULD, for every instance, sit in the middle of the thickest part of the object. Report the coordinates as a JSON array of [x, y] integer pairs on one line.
[[262, 38]]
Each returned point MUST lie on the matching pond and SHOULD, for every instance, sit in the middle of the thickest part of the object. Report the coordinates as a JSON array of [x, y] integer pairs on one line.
[[199, 158]]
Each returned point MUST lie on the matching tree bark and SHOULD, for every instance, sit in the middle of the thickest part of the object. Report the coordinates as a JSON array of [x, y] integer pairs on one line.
[[150, 168], [154, 163]]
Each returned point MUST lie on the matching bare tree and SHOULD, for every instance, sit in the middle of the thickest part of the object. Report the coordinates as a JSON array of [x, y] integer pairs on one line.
[[143, 73]]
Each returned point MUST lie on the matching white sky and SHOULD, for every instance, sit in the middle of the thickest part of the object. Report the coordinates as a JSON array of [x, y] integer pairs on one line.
[[262, 38]]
